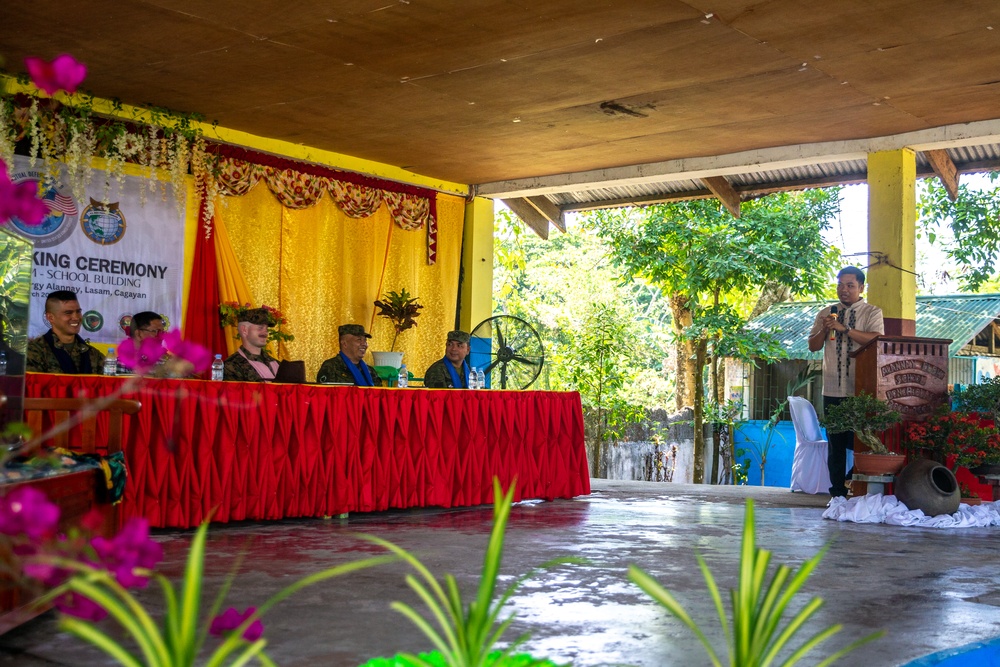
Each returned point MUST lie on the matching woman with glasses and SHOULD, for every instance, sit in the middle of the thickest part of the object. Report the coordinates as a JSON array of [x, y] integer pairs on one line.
[[145, 325]]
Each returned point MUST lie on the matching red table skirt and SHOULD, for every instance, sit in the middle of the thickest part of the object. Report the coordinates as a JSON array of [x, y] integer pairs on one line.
[[270, 451]]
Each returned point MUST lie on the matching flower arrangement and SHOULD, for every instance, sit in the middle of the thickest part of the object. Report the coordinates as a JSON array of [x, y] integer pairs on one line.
[[971, 439], [231, 312], [70, 129], [400, 308], [866, 416]]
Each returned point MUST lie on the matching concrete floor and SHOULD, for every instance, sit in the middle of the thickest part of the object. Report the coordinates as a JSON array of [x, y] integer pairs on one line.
[[931, 589]]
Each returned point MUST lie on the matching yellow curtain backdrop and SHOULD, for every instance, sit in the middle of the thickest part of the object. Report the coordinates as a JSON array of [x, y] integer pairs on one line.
[[322, 269], [232, 286]]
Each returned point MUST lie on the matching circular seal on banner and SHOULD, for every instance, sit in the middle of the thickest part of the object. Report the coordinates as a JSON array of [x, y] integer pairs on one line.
[[104, 225], [93, 321], [58, 224], [124, 321]]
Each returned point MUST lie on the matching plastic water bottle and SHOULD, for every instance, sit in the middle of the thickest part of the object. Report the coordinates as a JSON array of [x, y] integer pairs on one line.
[[3, 363], [473, 378], [480, 379], [111, 362], [218, 367], [403, 381]]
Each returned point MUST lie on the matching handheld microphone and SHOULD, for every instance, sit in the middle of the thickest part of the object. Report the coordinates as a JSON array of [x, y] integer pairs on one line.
[[833, 332]]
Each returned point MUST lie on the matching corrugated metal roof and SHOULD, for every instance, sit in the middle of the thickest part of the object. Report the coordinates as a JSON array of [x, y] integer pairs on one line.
[[956, 316], [967, 159]]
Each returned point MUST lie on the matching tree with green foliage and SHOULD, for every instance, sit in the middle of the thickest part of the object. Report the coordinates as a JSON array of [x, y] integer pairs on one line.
[[974, 221], [604, 337], [714, 268]]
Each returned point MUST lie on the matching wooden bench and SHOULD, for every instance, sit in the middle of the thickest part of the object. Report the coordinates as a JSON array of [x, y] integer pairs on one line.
[[76, 493]]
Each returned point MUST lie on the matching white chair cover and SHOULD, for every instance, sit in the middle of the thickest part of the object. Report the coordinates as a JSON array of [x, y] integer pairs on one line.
[[809, 469]]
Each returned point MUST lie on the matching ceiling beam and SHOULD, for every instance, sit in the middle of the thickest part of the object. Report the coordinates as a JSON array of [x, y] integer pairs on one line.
[[523, 209], [945, 169], [554, 214], [766, 159], [721, 188]]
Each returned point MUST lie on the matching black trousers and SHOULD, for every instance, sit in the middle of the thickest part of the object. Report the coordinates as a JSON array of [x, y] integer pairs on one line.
[[836, 452]]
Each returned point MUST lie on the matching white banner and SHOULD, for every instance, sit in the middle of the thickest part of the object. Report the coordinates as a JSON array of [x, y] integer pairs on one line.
[[120, 259]]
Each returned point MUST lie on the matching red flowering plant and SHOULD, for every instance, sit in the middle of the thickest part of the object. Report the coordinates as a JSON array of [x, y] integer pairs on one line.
[[969, 438], [231, 313]]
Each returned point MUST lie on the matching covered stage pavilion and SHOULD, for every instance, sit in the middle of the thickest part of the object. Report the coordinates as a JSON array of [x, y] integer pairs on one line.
[[361, 147]]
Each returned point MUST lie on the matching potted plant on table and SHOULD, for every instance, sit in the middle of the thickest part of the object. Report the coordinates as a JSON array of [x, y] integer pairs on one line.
[[867, 416], [400, 308], [961, 439]]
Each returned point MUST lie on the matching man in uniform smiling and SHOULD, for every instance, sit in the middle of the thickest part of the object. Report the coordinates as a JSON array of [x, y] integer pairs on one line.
[[60, 349]]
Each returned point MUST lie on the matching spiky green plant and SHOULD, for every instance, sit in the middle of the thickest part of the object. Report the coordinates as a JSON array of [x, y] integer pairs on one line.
[[466, 636], [178, 642], [754, 639]]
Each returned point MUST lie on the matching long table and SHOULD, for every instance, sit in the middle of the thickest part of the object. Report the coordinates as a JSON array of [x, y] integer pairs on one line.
[[237, 450]]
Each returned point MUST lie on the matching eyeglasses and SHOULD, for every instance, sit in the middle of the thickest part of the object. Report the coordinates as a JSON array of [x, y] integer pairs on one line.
[[155, 332]]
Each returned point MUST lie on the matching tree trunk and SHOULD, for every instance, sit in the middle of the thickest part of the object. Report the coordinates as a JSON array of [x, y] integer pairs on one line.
[[699, 412], [684, 352], [717, 398], [773, 292]]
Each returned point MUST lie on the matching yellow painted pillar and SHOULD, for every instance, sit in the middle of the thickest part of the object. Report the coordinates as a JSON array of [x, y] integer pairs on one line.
[[476, 286], [892, 215]]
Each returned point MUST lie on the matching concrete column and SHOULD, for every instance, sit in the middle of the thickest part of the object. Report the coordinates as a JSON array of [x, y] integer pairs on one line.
[[476, 287], [892, 283]]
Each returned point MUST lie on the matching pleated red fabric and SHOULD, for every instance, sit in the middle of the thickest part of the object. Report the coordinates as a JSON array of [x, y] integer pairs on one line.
[[242, 451]]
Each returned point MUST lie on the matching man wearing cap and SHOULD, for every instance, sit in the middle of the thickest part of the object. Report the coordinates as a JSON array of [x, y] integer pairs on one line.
[[251, 362], [60, 349], [348, 367], [451, 372]]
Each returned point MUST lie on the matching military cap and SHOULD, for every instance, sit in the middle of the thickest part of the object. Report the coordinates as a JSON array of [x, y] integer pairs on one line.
[[352, 330], [459, 336], [255, 316]]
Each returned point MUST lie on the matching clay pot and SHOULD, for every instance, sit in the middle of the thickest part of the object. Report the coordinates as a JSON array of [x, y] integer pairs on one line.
[[929, 487], [866, 463]]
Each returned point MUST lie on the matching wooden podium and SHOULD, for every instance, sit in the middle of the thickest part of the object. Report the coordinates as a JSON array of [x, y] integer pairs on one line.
[[909, 373]]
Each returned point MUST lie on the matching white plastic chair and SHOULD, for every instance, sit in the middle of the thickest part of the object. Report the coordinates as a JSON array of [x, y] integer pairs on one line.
[[809, 469]]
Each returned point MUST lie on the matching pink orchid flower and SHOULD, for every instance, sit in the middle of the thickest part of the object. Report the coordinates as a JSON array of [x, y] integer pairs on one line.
[[193, 353], [143, 358], [74, 604], [28, 511], [20, 200], [129, 550], [63, 73], [231, 619]]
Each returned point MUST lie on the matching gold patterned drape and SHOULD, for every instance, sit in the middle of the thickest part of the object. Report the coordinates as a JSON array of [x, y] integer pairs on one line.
[[323, 268]]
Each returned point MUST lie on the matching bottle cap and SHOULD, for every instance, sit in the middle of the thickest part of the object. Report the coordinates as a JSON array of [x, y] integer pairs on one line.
[[218, 356]]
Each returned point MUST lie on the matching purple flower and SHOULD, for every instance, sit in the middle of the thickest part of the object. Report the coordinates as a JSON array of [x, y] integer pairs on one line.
[[231, 619], [128, 550], [193, 353], [20, 200], [144, 358], [27, 511], [74, 604], [63, 73]]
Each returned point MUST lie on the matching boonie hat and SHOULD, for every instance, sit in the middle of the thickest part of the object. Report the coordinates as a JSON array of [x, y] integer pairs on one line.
[[459, 336], [255, 316], [352, 330]]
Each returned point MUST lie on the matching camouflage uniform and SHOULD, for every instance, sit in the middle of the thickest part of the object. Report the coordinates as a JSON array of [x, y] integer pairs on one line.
[[238, 369], [41, 358], [335, 370], [438, 377]]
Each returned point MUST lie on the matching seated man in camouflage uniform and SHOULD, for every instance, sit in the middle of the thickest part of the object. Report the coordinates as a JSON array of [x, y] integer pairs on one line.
[[60, 349], [451, 372], [251, 362], [348, 367]]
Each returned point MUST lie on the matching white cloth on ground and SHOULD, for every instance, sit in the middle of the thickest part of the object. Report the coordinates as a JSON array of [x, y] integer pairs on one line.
[[877, 508]]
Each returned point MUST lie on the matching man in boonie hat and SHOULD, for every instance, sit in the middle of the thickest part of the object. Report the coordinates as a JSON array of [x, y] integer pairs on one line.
[[348, 367], [451, 372], [251, 362]]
